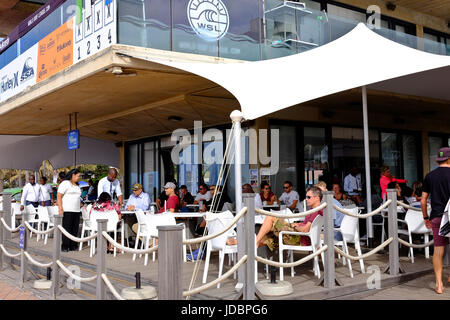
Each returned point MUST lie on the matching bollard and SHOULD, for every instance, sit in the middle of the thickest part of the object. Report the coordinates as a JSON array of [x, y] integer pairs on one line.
[[56, 254], [249, 267], [1, 241], [170, 262], [101, 259], [329, 272], [7, 213], [23, 259], [394, 263]]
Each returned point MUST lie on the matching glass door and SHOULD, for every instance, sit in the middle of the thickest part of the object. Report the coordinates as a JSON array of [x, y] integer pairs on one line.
[[315, 156]]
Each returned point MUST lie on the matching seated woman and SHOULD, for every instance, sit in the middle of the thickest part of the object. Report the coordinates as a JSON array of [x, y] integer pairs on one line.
[[268, 234], [338, 194], [266, 194], [104, 203]]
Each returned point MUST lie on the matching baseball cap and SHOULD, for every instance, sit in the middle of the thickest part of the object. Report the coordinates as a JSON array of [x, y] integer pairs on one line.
[[443, 154], [136, 186], [170, 185]]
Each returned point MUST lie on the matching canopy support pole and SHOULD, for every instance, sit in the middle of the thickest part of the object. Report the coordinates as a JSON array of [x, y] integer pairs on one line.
[[236, 117], [367, 166]]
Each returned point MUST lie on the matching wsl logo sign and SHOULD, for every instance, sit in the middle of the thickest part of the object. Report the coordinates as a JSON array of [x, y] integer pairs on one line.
[[208, 18], [28, 71]]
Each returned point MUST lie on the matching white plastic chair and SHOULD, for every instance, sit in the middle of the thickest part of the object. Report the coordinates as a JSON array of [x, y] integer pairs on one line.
[[44, 218], [350, 234], [111, 226], [86, 224], [313, 234], [31, 213], [15, 211], [415, 224], [216, 222]]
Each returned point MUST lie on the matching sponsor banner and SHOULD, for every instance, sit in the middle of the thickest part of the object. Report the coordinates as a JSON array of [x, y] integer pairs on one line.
[[30, 22], [55, 51], [97, 31], [19, 74]]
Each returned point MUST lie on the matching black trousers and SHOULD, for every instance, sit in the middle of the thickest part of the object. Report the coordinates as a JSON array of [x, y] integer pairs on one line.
[[71, 222]]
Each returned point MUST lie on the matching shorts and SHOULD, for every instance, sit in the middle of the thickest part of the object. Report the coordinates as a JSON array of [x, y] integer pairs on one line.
[[439, 241]]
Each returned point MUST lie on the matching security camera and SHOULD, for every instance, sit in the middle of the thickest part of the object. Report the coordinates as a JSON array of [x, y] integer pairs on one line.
[[117, 70]]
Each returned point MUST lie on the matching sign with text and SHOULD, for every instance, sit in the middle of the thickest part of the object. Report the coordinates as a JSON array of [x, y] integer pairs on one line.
[[22, 238], [55, 51], [73, 140]]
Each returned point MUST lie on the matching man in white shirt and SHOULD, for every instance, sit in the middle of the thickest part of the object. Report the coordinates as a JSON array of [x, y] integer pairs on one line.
[[30, 193], [289, 197], [203, 194], [353, 186], [111, 185]]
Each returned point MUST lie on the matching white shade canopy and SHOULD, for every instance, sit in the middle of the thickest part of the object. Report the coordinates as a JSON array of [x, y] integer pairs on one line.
[[359, 58], [28, 152]]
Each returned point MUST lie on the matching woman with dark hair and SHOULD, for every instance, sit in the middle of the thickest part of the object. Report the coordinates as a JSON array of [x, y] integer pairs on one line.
[[69, 205], [104, 203], [266, 194]]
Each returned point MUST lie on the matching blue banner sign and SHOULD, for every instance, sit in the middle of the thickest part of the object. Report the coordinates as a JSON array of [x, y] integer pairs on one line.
[[22, 237], [73, 140]]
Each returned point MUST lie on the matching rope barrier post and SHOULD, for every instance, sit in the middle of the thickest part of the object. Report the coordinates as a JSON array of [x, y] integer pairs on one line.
[[329, 277], [56, 254], [394, 263], [23, 259], [101, 259], [170, 262], [1, 241], [249, 224], [7, 214]]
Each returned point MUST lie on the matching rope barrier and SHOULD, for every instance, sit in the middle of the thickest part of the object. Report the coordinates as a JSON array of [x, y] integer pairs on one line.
[[127, 249], [111, 288], [408, 207], [218, 280], [37, 263], [29, 227], [8, 228], [76, 239], [211, 236], [291, 264], [366, 255], [9, 254], [366, 215], [74, 276], [415, 246], [292, 215]]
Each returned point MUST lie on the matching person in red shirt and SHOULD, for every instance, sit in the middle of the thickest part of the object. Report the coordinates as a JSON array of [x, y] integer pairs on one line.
[[173, 203], [387, 178], [268, 234]]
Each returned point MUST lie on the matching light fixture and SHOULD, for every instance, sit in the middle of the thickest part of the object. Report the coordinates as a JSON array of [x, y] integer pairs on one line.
[[116, 70], [391, 6], [175, 118], [111, 132]]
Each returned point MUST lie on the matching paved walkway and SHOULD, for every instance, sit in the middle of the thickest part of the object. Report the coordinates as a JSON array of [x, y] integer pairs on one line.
[[421, 288]]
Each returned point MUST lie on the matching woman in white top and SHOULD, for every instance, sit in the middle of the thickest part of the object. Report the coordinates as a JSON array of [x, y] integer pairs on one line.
[[46, 194], [69, 204]]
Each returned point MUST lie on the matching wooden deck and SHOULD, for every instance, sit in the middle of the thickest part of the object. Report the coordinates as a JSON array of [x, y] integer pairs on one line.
[[121, 271]]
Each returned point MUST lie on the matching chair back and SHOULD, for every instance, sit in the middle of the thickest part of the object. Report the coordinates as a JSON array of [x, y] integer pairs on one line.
[[216, 222], [30, 211], [415, 222], [142, 220], [43, 214], [315, 230], [161, 219], [349, 226], [110, 215]]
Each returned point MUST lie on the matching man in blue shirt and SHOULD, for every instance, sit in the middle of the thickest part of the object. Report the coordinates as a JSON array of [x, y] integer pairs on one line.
[[138, 200]]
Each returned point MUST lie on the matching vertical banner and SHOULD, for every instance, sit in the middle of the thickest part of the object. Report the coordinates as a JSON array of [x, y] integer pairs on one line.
[[79, 11]]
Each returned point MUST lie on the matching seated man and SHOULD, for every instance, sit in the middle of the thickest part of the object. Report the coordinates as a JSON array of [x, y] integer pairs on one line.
[[289, 197], [138, 199], [185, 198], [173, 203], [353, 186], [268, 234], [203, 194]]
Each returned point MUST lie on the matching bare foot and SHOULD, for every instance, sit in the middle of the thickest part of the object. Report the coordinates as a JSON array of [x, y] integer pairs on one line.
[[439, 288]]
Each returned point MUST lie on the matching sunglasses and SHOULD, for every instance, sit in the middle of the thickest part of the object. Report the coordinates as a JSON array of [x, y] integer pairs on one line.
[[266, 188], [309, 197], [286, 187]]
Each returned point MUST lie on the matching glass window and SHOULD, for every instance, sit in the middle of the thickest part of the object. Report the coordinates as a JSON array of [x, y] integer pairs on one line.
[[410, 153], [150, 179], [315, 155], [244, 168], [212, 160], [132, 165], [288, 159], [346, 13], [434, 144], [188, 169], [390, 153]]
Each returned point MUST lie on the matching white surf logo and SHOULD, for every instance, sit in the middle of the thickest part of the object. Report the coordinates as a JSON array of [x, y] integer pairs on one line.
[[208, 18]]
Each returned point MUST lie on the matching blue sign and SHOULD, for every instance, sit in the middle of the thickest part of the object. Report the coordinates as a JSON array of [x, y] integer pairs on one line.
[[73, 140], [22, 237]]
